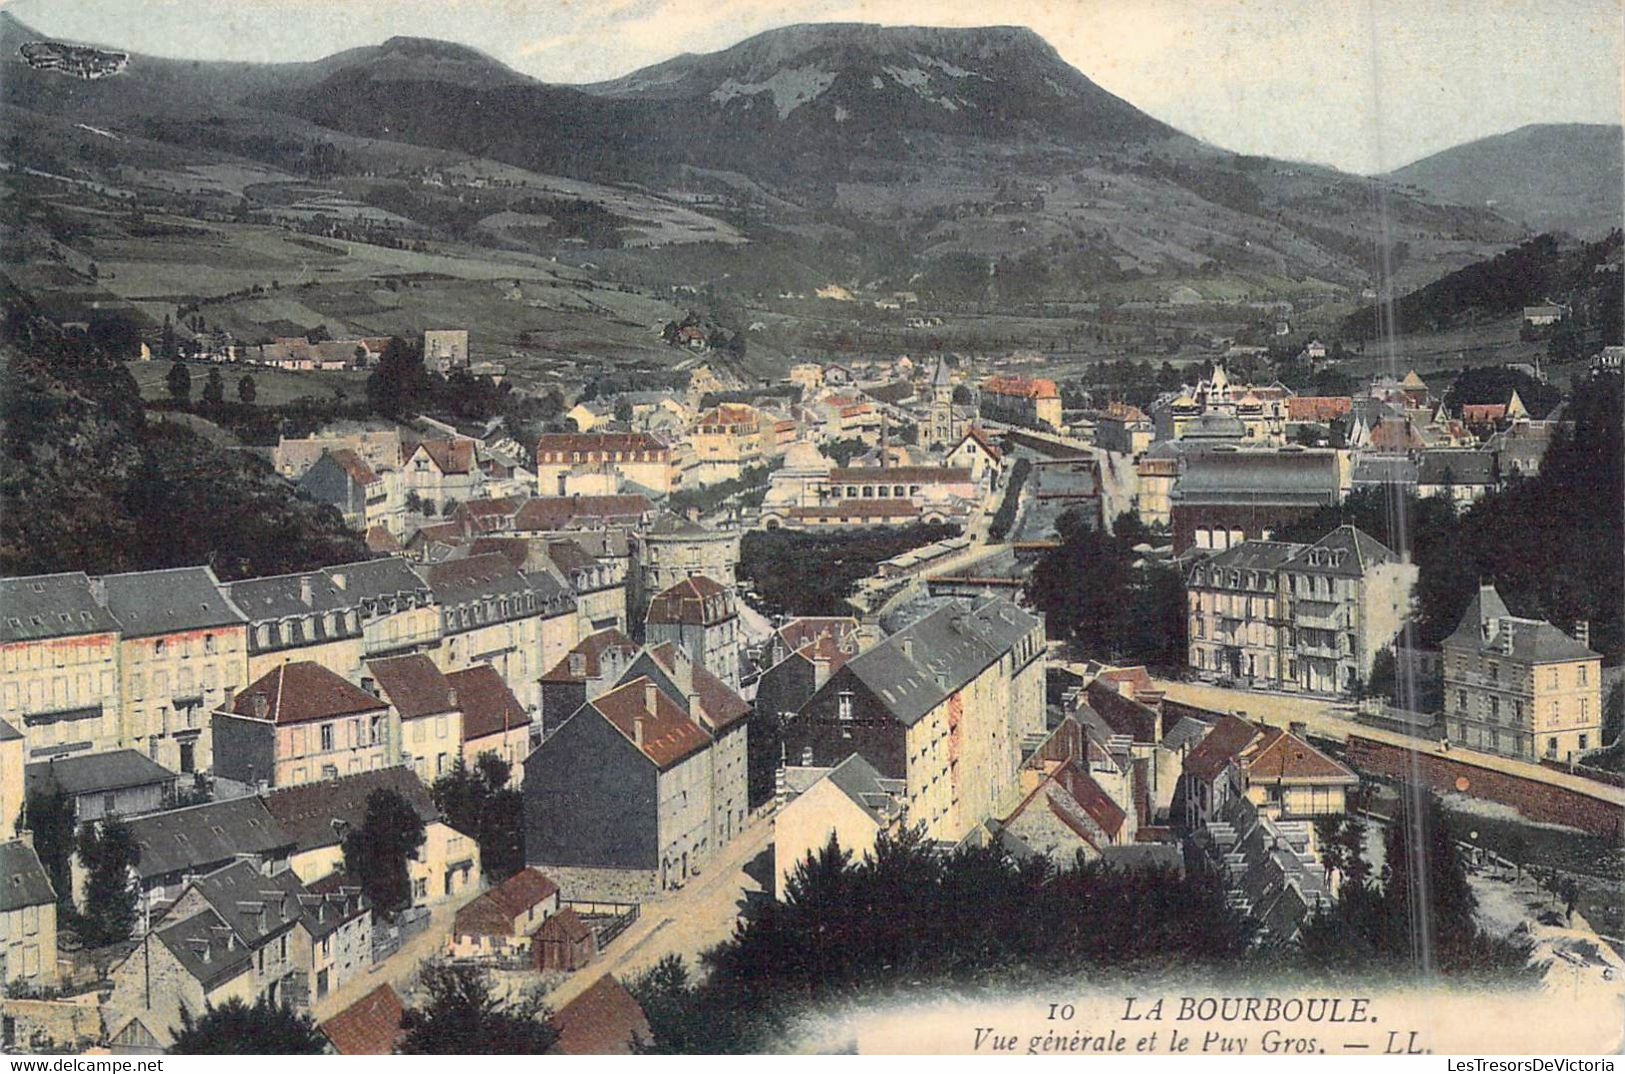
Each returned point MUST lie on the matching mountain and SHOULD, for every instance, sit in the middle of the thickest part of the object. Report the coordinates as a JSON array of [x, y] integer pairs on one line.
[[1550, 176]]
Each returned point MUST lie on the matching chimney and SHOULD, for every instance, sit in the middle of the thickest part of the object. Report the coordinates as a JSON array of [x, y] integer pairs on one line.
[[907, 644], [637, 729], [307, 593], [820, 671], [693, 705], [451, 696], [261, 706], [1582, 632], [339, 579], [98, 591], [651, 695]]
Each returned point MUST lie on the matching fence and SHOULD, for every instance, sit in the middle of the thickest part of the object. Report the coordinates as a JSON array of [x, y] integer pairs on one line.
[[621, 915]]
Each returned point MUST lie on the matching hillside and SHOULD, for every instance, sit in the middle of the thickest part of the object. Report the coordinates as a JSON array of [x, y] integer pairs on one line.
[[1552, 177]]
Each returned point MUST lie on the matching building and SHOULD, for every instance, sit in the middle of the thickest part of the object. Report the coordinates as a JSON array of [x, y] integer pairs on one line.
[[300, 618], [342, 480], [120, 783], [1270, 869], [300, 722], [702, 618], [589, 669], [12, 751], [1462, 475], [179, 845], [670, 549], [27, 917], [369, 1026], [183, 652], [563, 943], [618, 798], [59, 666], [314, 817], [1520, 687], [728, 439], [426, 710], [1157, 470], [944, 426], [720, 712], [603, 1020], [1547, 313], [1292, 616], [1030, 401], [976, 453], [943, 704], [441, 473], [598, 585], [850, 802], [1223, 497], [494, 721], [498, 924], [565, 462], [1124, 429], [445, 349], [1278, 771]]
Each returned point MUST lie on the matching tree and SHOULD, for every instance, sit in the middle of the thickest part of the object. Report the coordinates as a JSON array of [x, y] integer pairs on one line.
[[246, 390], [235, 1028], [166, 339], [376, 852], [462, 1016], [624, 412], [50, 818], [214, 389], [479, 801], [109, 854], [400, 383], [179, 382]]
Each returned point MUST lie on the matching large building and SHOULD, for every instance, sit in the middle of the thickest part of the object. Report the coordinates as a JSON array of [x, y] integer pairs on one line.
[[701, 618], [1292, 616], [671, 549], [1031, 401], [300, 722], [1520, 687], [604, 464], [1225, 495], [59, 665], [944, 704]]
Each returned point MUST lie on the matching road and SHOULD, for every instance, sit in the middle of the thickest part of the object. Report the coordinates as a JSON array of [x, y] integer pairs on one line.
[[684, 922], [399, 968], [1330, 720]]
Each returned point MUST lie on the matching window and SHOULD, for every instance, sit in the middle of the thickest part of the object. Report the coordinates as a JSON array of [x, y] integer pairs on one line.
[[844, 706], [109, 804], [1551, 679], [1494, 672], [327, 736], [158, 647], [806, 756], [208, 644], [1495, 708], [1582, 672], [1583, 740], [1551, 747], [1461, 700]]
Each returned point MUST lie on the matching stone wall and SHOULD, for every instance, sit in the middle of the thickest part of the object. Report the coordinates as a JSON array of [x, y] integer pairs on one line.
[[585, 883], [1541, 802]]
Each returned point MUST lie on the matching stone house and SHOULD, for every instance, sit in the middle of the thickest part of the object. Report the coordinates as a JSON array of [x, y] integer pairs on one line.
[[700, 617], [300, 722], [499, 922]]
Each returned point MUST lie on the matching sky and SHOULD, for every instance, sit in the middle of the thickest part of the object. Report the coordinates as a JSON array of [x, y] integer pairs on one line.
[[1363, 85]]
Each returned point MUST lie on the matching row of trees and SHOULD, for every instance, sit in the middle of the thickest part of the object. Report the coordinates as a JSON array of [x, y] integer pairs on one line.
[[178, 382], [810, 573]]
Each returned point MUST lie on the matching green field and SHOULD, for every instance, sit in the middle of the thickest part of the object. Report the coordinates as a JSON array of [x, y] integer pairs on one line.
[[273, 387]]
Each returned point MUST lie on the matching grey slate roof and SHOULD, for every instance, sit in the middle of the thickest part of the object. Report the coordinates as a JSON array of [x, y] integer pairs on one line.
[[195, 837], [951, 646], [96, 772], [857, 779], [51, 606], [1283, 476], [315, 814], [333, 589], [1485, 606], [1353, 552], [1531, 641], [9, 733], [149, 603], [205, 947], [1185, 732], [22, 878], [1457, 466], [1384, 470], [1143, 856], [1254, 555]]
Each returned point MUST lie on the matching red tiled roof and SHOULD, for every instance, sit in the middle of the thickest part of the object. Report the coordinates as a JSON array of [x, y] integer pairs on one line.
[[591, 648], [1281, 756], [353, 465], [697, 600], [381, 540], [1124, 412], [1320, 408], [1030, 387], [369, 1026], [800, 631], [603, 1020], [515, 550], [1222, 745], [669, 735], [600, 442], [557, 512], [489, 707], [493, 913], [301, 692], [1480, 413], [1092, 797], [1123, 715], [485, 508], [723, 707], [451, 456], [975, 433], [1137, 677], [908, 475], [565, 925], [413, 685]]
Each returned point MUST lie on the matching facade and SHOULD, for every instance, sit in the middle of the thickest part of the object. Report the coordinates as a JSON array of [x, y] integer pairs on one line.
[[12, 751], [618, 799], [300, 617], [59, 666], [598, 584], [445, 349], [701, 618], [300, 722], [443, 473], [1520, 687], [1224, 496], [728, 439], [592, 667], [1123, 429], [1277, 771], [183, 652], [943, 704], [1291, 616], [120, 783], [976, 453], [27, 917], [639, 459], [343, 481], [1030, 401], [670, 549], [851, 802], [493, 721], [425, 708]]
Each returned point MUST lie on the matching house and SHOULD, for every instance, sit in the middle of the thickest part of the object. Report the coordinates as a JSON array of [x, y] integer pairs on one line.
[[702, 618], [424, 707], [1278, 771], [178, 845], [445, 349], [1546, 313], [300, 722], [120, 783], [492, 613], [1124, 429], [598, 585], [603, 1020], [943, 704], [1308, 617], [27, 917], [493, 719], [851, 802], [1066, 817], [314, 817], [369, 1026], [499, 923], [553, 514], [794, 675], [441, 473], [593, 666], [727, 439], [563, 943], [183, 650], [1030, 401], [1520, 687], [976, 453], [59, 666], [1461, 475], [342, 480], [618, 798]]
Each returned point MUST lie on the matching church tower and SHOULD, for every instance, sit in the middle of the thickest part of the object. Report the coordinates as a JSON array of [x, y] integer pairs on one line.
[[940, 436]]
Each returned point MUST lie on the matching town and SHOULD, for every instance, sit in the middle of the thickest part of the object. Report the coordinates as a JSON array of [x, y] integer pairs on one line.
[[593, 591]]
